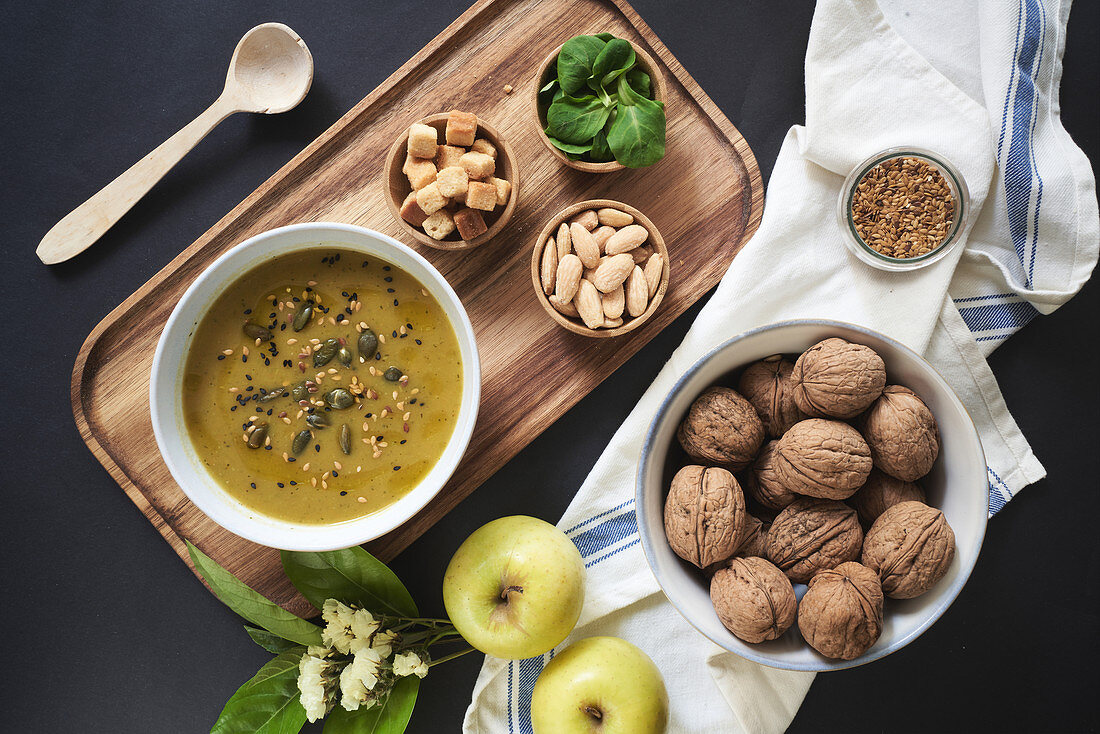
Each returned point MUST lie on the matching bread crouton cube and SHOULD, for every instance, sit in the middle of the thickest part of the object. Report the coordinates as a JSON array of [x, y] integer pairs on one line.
[[423, 140], [504, 189], [452, 180], [411, 211], [448, 156], [480, 195], [439, 224], [420, 172], [478, 165], [430, 198], [461, 128], [470, 223], [481, 145]]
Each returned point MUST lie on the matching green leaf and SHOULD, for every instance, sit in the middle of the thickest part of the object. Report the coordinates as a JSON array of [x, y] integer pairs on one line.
[[605, 36], [600, 152], [575, 61], [271, 643], [268, 703], [639, 81], [576, 120], [251, 605], [637, 136], [351, 575], [615, 59], [391, 717], [569, 147]]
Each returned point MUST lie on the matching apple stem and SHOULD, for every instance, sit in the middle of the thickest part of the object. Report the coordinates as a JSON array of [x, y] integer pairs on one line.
[[452, 656], [594, 712], [509, 590]]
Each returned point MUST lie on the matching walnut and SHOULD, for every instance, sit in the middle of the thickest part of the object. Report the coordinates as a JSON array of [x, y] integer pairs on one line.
[[841, 614], [880, 492], [755, 540], [902, 434], [767, 385], [763, 483], [813, 534], [910, 546], [753, 598], [822, 458], [721, 427], [704, 515], [837, 379]]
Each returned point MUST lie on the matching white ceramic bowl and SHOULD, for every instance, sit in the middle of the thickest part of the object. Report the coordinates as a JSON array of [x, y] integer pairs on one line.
[[171, 355], [957, 484]]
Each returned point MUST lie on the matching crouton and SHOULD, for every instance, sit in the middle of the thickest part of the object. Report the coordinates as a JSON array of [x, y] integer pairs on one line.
[[440, 224], [423, 140], [470, 223], [478, 165], [452, 181], [481, 145], [411, 211], [447, 156], [461, 128], [430, 198], [504, 189], [420, 172], [481, 196]]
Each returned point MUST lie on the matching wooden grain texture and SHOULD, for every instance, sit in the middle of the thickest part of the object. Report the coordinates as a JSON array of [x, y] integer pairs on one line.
[[705, 196]]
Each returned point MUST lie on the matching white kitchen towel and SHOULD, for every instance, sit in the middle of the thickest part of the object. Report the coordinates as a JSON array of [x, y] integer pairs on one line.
[[977, 82]]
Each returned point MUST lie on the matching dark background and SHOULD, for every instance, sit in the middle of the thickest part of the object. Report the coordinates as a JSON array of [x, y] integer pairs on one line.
[[107, 631]]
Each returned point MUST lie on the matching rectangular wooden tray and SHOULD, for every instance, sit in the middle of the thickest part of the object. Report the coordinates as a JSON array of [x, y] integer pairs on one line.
[[705, 197]]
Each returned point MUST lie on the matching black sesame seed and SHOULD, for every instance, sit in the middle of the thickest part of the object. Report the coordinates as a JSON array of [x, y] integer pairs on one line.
[[247, 311], [395, 302], [280, 485], [343, 494], [293, 483], [397, 468], [221, 357], [388, 279], [253, 485], [390, 290], [290, 458], [335, 473], [386, 268], [418, 341]]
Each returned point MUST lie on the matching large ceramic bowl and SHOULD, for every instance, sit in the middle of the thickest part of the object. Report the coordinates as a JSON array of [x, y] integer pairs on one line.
[[957, 485], [171, 355]]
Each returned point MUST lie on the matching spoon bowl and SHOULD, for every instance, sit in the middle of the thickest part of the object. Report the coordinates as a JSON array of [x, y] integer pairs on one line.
[[271, 70]]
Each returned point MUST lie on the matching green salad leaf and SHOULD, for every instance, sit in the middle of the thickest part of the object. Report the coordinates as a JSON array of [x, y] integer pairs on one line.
[[616, 58], [639, 81], [351, 575], [637, 136], [575, 61], [268, 703], [600, 152], [576, 120], [390, 717], [272, 643], [252, 605], [569, 147]]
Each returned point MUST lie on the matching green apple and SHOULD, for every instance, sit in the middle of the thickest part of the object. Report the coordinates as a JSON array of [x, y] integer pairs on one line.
[[515, 587], [600, 685]]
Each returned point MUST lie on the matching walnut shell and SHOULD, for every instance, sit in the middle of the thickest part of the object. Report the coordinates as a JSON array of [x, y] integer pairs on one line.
[[755, 542], [902, 434], [721, 427], [841, 613], [882, 491], [837, 379], [910, 546], [813, 534], [704, 515], [762, 482], [767, 385], [753, 598], [822, 458]]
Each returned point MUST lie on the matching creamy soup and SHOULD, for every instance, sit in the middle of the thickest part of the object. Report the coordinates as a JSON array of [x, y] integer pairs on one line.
[[322, 386]]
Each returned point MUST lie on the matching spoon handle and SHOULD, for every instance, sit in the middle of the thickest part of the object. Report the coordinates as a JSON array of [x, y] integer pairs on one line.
[[87, 223]]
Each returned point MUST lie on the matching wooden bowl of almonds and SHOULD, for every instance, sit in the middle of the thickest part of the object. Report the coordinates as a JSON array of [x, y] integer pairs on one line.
[[600, 268]]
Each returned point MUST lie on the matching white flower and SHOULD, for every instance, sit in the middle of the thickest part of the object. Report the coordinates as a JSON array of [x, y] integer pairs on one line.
[[359, 678], [338, 618], [409, 663], [311, 683], [363, 624], [383, 642]]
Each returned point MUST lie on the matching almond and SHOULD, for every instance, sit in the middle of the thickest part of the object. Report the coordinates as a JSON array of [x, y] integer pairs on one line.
[[586, 219], [641, 254], [626, 239], [565, 308], [614, 303], [612, 323], [568, 277], [612, 273], [565, 244], [654, 268], [549, 266], [584, 244], [637, 292], [614, 218], [589, 305], [602, 235]]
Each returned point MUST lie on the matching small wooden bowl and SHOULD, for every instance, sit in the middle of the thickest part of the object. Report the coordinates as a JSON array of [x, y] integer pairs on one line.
[[645, 62], [655, 241], [396, 185]]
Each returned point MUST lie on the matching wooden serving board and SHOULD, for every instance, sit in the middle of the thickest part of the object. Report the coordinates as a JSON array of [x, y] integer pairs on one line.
[[705, 197]]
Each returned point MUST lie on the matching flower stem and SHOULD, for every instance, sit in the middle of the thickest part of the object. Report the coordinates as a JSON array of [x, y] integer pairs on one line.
[[452, 656]]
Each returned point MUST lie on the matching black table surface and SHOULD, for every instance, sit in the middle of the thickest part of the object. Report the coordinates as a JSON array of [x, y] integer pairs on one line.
[[107, 631]]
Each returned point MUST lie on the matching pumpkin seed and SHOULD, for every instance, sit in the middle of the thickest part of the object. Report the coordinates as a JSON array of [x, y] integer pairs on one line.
[[344, 354], [258, 435], [267, 397], [393, 374], [368, 344], [345, 439], [255, 331], [301, 440], [316, 420], [324, 353], [339, 398], [300, 391], [301, 319]]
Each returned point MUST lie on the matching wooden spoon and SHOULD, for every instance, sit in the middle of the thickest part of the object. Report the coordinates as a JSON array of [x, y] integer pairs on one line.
[[271, 71]]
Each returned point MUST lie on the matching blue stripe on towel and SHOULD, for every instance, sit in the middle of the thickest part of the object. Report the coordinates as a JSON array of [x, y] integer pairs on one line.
[[606, 534], [998, 316], [1011, 78], [605, 513]]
